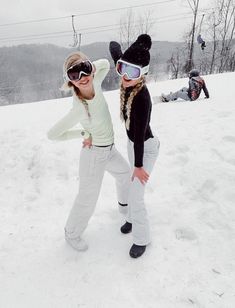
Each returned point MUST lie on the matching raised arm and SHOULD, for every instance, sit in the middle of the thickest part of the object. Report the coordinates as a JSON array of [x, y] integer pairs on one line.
[[115, 51], [102, 67]]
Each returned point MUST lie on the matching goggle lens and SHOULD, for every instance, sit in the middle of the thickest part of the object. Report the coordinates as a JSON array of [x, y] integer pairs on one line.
[[132, 72], [78, 70]]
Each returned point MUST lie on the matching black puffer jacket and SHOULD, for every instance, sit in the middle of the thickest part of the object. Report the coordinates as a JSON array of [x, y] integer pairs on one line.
[[139, 130]]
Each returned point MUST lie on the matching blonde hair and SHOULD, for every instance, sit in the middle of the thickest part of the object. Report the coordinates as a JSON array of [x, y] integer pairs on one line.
[[73, 58], [134, 92]]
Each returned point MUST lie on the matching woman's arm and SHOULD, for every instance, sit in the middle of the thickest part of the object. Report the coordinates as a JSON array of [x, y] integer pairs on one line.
[[62, 129], [141, 122], [115, 51], [205, 90], [102, 67]]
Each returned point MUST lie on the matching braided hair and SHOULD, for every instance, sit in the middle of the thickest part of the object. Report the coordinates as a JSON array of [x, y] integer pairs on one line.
[[128, 104]]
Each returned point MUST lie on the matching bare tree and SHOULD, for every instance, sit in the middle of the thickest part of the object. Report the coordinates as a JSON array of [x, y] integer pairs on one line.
[[131, 26], [127, 29], [173, 66], [194, 7], [227, 15], [145, 22], [231, 62], [213, 23], [221, 26], [175, 63]]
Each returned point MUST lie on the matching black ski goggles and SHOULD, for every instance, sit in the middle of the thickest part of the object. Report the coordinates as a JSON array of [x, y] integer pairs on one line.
[[77, 71], [132, 71]]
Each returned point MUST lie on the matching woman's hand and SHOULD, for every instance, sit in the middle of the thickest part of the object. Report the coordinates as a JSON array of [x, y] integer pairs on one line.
[[141, 174], [87, 142]]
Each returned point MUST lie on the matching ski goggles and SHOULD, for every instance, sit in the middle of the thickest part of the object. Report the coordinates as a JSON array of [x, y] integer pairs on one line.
[[132, 71], [75, 72]]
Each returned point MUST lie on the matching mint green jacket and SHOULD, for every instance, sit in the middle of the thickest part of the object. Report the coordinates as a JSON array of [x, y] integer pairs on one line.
[[93, 116]]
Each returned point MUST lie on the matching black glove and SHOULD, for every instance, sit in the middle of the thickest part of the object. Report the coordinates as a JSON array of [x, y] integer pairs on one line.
[[115, 51]]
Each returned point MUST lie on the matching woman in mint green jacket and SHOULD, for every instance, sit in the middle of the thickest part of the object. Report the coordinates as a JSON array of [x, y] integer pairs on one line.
[[98, 153]]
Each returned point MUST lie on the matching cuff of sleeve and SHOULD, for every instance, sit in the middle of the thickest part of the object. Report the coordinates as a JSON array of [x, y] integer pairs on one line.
[[85, 134], [138, 165]]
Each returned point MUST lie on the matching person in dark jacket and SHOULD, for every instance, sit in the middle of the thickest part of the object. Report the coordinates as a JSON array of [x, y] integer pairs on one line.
[[201, 42], [196, 85], [143, 146]]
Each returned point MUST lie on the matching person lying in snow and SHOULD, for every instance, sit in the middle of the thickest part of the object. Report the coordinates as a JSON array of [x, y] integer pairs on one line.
[[196, 84]]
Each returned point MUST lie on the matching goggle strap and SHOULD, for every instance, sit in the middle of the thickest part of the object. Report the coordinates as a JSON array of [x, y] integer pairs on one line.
[[79, 63], [143, 70]]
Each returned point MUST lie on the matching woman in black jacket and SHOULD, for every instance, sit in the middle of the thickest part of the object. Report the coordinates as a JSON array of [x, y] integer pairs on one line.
[[135, 111]]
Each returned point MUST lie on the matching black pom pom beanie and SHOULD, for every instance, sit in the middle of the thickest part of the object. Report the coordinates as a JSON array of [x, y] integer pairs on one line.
[[138, 52]]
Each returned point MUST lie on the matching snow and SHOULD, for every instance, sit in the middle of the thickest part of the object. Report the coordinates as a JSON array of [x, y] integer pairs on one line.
[[190, 200]]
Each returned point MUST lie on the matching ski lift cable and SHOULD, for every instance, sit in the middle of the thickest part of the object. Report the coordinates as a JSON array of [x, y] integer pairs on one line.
[[85, 14], [82, 30]]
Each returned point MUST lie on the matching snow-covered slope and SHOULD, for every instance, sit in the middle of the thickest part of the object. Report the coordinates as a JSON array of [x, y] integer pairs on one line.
[[190, 200]]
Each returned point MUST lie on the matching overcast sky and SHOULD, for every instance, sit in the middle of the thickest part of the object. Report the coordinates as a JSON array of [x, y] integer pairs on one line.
[[171, 19]]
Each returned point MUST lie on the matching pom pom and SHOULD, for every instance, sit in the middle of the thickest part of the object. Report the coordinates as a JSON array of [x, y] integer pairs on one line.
[[145, 41]]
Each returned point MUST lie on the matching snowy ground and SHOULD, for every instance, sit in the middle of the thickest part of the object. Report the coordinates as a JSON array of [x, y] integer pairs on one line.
[[190, 200]]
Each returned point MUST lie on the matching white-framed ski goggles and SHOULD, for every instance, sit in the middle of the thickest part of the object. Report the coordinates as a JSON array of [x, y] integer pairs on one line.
[[76, 71], [132, 71]]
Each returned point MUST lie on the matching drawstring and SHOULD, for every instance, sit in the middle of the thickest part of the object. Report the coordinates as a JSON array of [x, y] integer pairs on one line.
[[87, 109]]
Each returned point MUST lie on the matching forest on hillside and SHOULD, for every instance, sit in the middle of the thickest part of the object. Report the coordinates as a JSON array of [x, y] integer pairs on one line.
[[33, 72]]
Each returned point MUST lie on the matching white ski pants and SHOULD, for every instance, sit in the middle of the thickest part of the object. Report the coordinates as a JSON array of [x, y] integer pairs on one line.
[[137, 213], [182, 93], [93, 163]]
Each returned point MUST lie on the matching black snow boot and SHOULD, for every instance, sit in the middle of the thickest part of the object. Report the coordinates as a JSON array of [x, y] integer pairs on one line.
[[136, 250], [126, 228], [164, 99]]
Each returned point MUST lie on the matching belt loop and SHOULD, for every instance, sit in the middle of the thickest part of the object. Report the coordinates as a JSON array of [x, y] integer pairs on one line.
[[111, 146]]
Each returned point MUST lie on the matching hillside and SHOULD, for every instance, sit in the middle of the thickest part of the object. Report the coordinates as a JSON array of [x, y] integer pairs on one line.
[[34, 72], [190, 200]]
